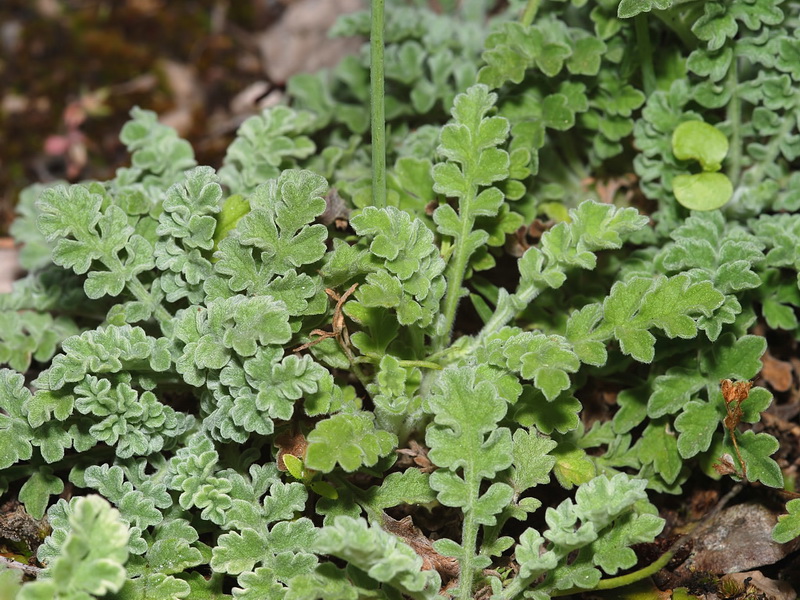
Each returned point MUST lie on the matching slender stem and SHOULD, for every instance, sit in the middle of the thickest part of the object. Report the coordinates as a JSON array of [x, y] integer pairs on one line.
[[738, 453], [142, 295], [530, 12], [645, 53], [457, 268], [679, 20], [354, 364], [377, 106], [506, 310], [733, 115], [623, 580], [469, 541], [422, 364]]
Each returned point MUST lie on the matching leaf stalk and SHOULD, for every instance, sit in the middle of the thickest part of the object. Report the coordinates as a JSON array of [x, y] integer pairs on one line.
[[645, 53], [456, 270], [530, 12]]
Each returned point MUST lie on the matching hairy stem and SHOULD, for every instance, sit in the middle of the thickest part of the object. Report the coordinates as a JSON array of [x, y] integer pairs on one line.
[[469, 540], [733, 116], [530, 12], [422, 364], [680, 19], [506, 309], [645, 53], [377, 106], [142, 295], [456, 269]]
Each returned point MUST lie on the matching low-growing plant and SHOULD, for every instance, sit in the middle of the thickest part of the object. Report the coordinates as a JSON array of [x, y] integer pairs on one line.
[[234, 381]]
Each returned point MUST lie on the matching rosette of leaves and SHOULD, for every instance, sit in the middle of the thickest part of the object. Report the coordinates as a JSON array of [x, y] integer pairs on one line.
[[112, 235], [233, 350], [274, 245], [404, 269], [707, 248], [105, 375]]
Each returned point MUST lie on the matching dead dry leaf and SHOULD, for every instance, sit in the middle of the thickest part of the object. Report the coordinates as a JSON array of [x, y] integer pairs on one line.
[[778, 373], [447, 566], [293, 443], [9, 266], [299, 42], [754, 581]]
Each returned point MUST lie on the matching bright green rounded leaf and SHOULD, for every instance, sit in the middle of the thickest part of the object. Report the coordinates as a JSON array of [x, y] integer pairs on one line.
[[701, 142], [702, 191]]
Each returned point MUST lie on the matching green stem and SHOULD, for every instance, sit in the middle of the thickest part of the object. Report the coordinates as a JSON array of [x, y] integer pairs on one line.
[[469, 540], [456, 269], [733, 115], [645, 53], [422, 364], [623, 580], [530, 12], [142, 295], [377, 106], [506, 311], [363, 379], [680, 19]]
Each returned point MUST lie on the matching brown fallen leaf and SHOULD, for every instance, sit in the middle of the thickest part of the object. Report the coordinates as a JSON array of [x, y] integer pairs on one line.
[[299, 42], [290, 442], [778, 373], [755, 581], [447, 566], [9, 268], [336, 209], [418, 454]]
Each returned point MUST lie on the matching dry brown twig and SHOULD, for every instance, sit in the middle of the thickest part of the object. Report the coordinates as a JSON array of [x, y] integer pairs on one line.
[[338, 325], [734, 395]]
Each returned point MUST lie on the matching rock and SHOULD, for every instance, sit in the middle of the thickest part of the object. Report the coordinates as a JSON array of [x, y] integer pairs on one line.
[[738, 539]]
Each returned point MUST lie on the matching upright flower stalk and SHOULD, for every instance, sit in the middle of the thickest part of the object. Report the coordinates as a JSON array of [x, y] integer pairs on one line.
[[377, 106]]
